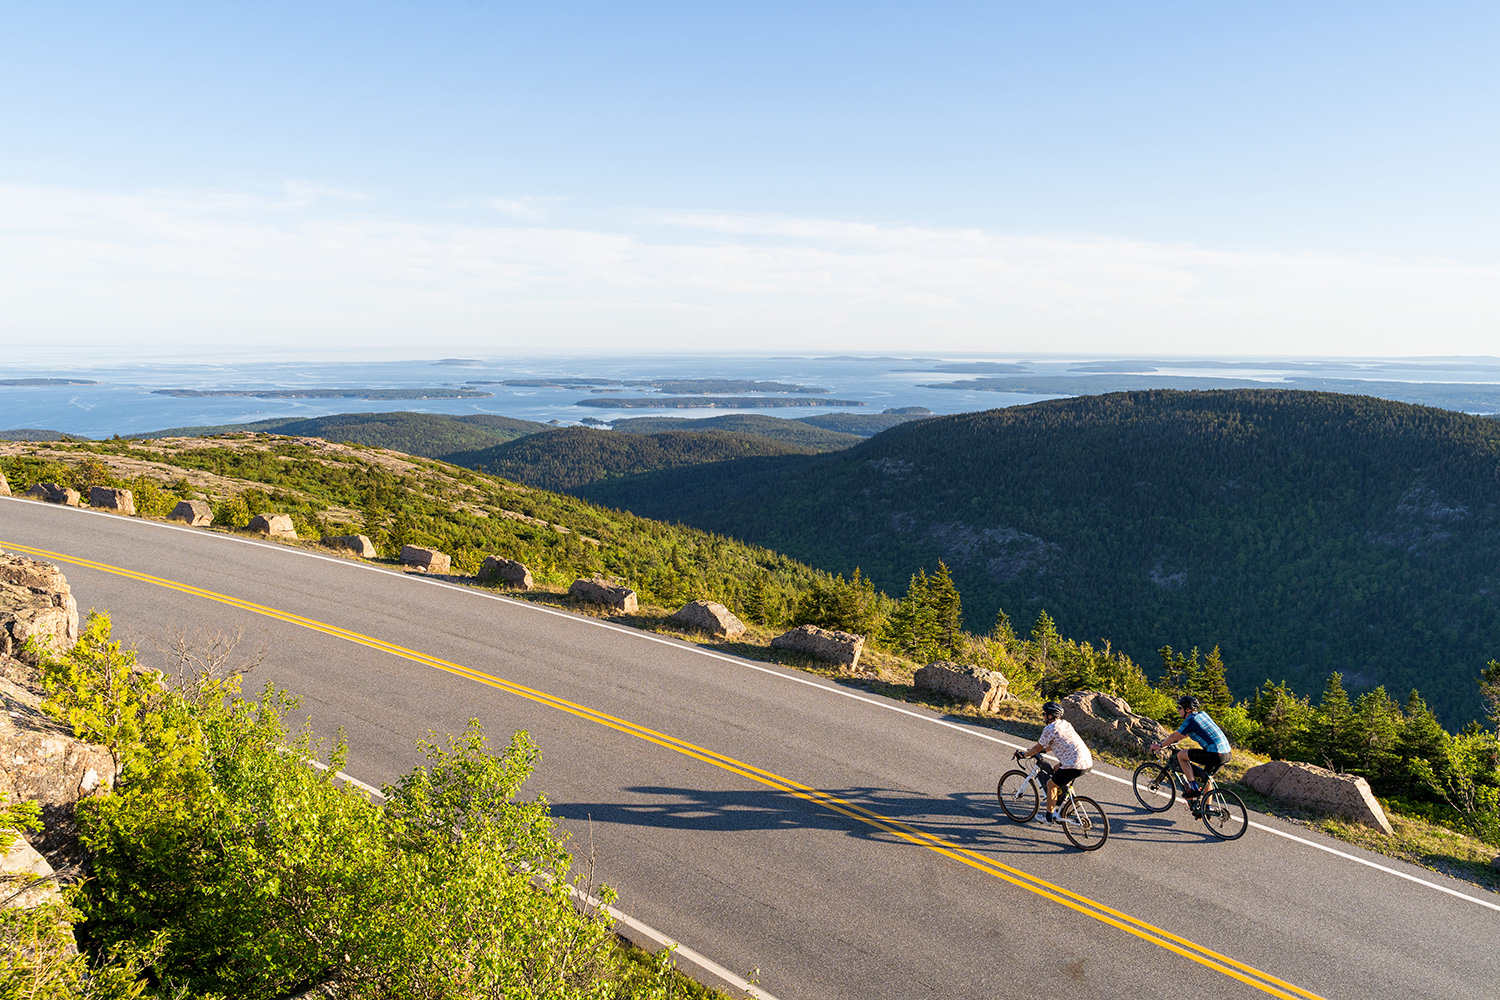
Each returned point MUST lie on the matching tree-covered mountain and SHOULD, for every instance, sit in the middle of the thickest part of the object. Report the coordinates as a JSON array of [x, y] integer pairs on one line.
[[570, 457], [797, 432], [1301, 532], [431, 435]]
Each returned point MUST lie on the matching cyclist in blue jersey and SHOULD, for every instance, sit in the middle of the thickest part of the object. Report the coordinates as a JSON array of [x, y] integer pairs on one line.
[[1214, 752]]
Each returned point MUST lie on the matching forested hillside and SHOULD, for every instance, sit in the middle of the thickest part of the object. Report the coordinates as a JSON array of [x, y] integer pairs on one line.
[[570, 457], [802, 433], [1302, 532]]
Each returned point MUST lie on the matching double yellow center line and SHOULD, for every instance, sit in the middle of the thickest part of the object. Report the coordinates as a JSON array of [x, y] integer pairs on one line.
[[1081, 904]]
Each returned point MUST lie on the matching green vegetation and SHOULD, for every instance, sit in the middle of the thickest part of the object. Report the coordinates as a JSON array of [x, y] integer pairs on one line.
[[1461, 396], [711, 402], [224, 865], [570, 457], [431, 435], [1302, 533], [802, 431]]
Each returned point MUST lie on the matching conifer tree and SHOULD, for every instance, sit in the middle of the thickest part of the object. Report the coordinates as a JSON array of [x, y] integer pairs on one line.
[[1331, 733], [1284, 719], [1376, 730], [1044, 634], [947, 610], [1213, 689], [1422, 739]]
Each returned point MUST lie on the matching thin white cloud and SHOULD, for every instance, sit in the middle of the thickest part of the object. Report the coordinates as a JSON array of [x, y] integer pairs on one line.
[[175, 268]]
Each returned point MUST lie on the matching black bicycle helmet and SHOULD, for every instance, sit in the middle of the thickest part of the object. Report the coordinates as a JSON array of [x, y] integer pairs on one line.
[[1052, 708], [1189, 704]]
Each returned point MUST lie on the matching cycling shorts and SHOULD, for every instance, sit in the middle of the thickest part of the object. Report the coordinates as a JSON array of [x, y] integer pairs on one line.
[[1062, 777], [1207, 761]]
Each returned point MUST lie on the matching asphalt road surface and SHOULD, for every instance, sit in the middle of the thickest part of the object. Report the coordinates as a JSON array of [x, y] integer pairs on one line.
[[841, 844]]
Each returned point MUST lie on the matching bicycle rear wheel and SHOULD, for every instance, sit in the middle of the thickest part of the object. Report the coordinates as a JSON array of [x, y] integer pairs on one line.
[[1085, 823], [1018, 795], [1154, 787], [1224, 814]]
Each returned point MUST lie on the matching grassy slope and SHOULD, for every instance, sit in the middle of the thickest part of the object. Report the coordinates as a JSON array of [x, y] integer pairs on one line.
[[431, 435], [1303, 532], [570, 457]]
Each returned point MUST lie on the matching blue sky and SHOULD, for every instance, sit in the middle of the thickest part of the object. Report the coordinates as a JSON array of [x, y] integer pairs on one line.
[[1128, 178]]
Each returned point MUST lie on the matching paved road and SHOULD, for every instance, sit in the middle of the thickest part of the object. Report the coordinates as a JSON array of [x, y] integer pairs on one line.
[[841, 844]]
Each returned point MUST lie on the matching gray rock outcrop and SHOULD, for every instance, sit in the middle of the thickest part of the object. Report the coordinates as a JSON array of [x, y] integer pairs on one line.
[[360, 545], [195, 512], [4, 484], [425, 559], [985, 688], [1308, 786], [35, 602], [1104, 718], [708, 616], [42, 762], [597, 591], [507, 571], [53, 493], [107, 498], [822, 644], [274, 526]]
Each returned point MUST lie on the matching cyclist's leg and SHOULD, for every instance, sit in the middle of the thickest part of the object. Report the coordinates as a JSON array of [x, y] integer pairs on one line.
[[1060, 782], [1185, 761], [1207, 763]]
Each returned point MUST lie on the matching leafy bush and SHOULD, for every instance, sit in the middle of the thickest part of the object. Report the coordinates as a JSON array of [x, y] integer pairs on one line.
[[231, 867]]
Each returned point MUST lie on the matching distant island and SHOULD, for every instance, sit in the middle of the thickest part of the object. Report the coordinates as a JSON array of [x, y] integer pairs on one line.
[[676, 386], [47, 381], [329, 393], [712, 402]]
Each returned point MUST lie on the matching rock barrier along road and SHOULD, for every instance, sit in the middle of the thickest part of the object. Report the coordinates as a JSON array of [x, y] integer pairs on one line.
[[841, 844]]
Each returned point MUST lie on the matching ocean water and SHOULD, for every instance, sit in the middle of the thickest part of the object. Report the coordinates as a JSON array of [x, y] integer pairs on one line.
[[122, 399]]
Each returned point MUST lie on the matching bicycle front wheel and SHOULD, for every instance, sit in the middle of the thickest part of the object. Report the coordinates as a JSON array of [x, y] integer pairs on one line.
[[1085, 823], [1154, 787], [1018, 795], [1224, 814]]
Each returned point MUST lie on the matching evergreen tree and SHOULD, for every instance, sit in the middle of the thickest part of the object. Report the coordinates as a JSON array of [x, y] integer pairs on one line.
[[1376, 731], [1284, 721], [1213, 689], [1044, 635], [1489, 690], [1333, 724], [1002, 632], [1423, 743], [755, 602], [947, 610], [912, 627]]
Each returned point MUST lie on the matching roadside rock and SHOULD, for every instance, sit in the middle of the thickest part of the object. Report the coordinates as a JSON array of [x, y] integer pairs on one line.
[[360, 545], [119, 501], [822, 644], [195, 512], [53, 493], [274, 526], [42, 762], [427, 560], [35, 602], [597, 591], [1104, 718], [513, 574], [708, 616], [4, 484], [1308, 786], [985, 688], [22, 864]]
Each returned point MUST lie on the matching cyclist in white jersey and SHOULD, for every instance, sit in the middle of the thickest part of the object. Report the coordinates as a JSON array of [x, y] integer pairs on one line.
[[1061, 740]]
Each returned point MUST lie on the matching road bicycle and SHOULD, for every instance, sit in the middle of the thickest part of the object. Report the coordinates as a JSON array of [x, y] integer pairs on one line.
[[1082, 819], [1157, 782]]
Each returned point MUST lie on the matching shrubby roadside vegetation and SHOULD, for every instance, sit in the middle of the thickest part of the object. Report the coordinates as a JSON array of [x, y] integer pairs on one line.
[[224, 865]]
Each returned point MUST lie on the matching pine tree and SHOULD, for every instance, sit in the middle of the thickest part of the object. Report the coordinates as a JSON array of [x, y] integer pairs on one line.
[[1376, 729], [1284, 720], [1213, 689], [1423, 740], [1332, 732], [1044, 634], [947, 610]]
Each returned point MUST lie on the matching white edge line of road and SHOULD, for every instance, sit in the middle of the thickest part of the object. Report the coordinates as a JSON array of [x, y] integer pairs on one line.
[[637, 633]]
